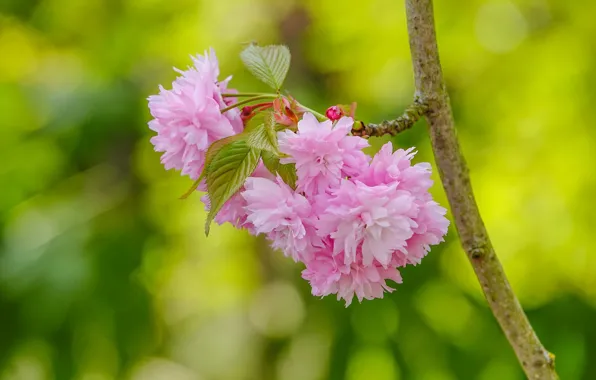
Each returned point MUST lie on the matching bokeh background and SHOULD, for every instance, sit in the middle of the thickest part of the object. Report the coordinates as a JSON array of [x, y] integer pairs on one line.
[[106, 274]]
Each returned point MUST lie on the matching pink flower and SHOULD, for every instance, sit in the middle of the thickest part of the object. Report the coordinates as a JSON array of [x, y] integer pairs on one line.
[[376, 219], [323, 153], [432, 226], [188, 117], [285, 216], [353, 220], [389, 167], [328, 274]]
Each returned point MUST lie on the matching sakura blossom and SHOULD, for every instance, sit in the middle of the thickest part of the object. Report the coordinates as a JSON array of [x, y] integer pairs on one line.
[[323, 153], [328, 274], [377, 219], [188, 118], [350, 219], [285, 216], [396, 167]]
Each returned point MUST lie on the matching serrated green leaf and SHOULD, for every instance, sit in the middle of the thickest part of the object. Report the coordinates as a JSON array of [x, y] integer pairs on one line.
[[271, 161], [229, 168], [287, 172], [263, 136], [211, 151], [269, 64], [216, 146]]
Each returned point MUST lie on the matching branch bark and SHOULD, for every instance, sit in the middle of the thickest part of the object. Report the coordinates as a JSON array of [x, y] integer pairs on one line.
[[392, 127], [536, 361]]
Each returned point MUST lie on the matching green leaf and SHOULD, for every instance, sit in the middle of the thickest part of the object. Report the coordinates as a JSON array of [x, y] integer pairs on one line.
[[263, 136], [228, 170], [269, 64], [215, 147], [211, 151], [271, 161], [287, 172]]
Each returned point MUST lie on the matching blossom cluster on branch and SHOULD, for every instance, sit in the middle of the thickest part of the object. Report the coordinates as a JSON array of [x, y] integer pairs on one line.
[[299, 177]]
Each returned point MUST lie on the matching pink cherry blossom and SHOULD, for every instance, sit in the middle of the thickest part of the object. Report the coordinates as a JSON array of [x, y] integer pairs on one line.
[[388, 167], [376, 219], [352, 221], [188, 117], [395, 167], [285, 216], [432, 227], [323, 153], [328, 274]]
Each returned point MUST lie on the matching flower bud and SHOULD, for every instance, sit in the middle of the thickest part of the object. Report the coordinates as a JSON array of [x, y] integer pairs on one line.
[[334, 113]]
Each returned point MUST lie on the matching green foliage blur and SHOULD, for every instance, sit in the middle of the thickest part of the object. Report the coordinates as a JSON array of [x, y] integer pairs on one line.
[[106, 274]]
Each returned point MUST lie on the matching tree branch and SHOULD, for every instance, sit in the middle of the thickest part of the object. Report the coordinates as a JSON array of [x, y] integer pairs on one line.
[[392, 127], [536, 361]]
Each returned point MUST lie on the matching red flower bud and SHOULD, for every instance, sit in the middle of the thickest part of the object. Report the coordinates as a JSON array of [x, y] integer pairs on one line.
[[334, 113]]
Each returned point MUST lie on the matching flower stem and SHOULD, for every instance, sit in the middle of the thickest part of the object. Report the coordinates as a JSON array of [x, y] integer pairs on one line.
[[320, 116], [248, 94], [246, 101], [257, 96], [536, 361]]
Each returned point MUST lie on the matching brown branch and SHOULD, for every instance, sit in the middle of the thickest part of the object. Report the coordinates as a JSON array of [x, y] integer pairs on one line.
[[392, 127], [536, 361]]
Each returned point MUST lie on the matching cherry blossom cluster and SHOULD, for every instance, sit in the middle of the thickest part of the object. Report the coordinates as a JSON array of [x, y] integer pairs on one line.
[[352, 220]]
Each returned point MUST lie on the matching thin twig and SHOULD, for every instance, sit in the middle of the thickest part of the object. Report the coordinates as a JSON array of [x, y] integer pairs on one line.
[[246, 94], [536, 361], [392, 127], [245, 101]]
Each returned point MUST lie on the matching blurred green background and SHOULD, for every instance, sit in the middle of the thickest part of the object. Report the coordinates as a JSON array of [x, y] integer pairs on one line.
[[105, 274]]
